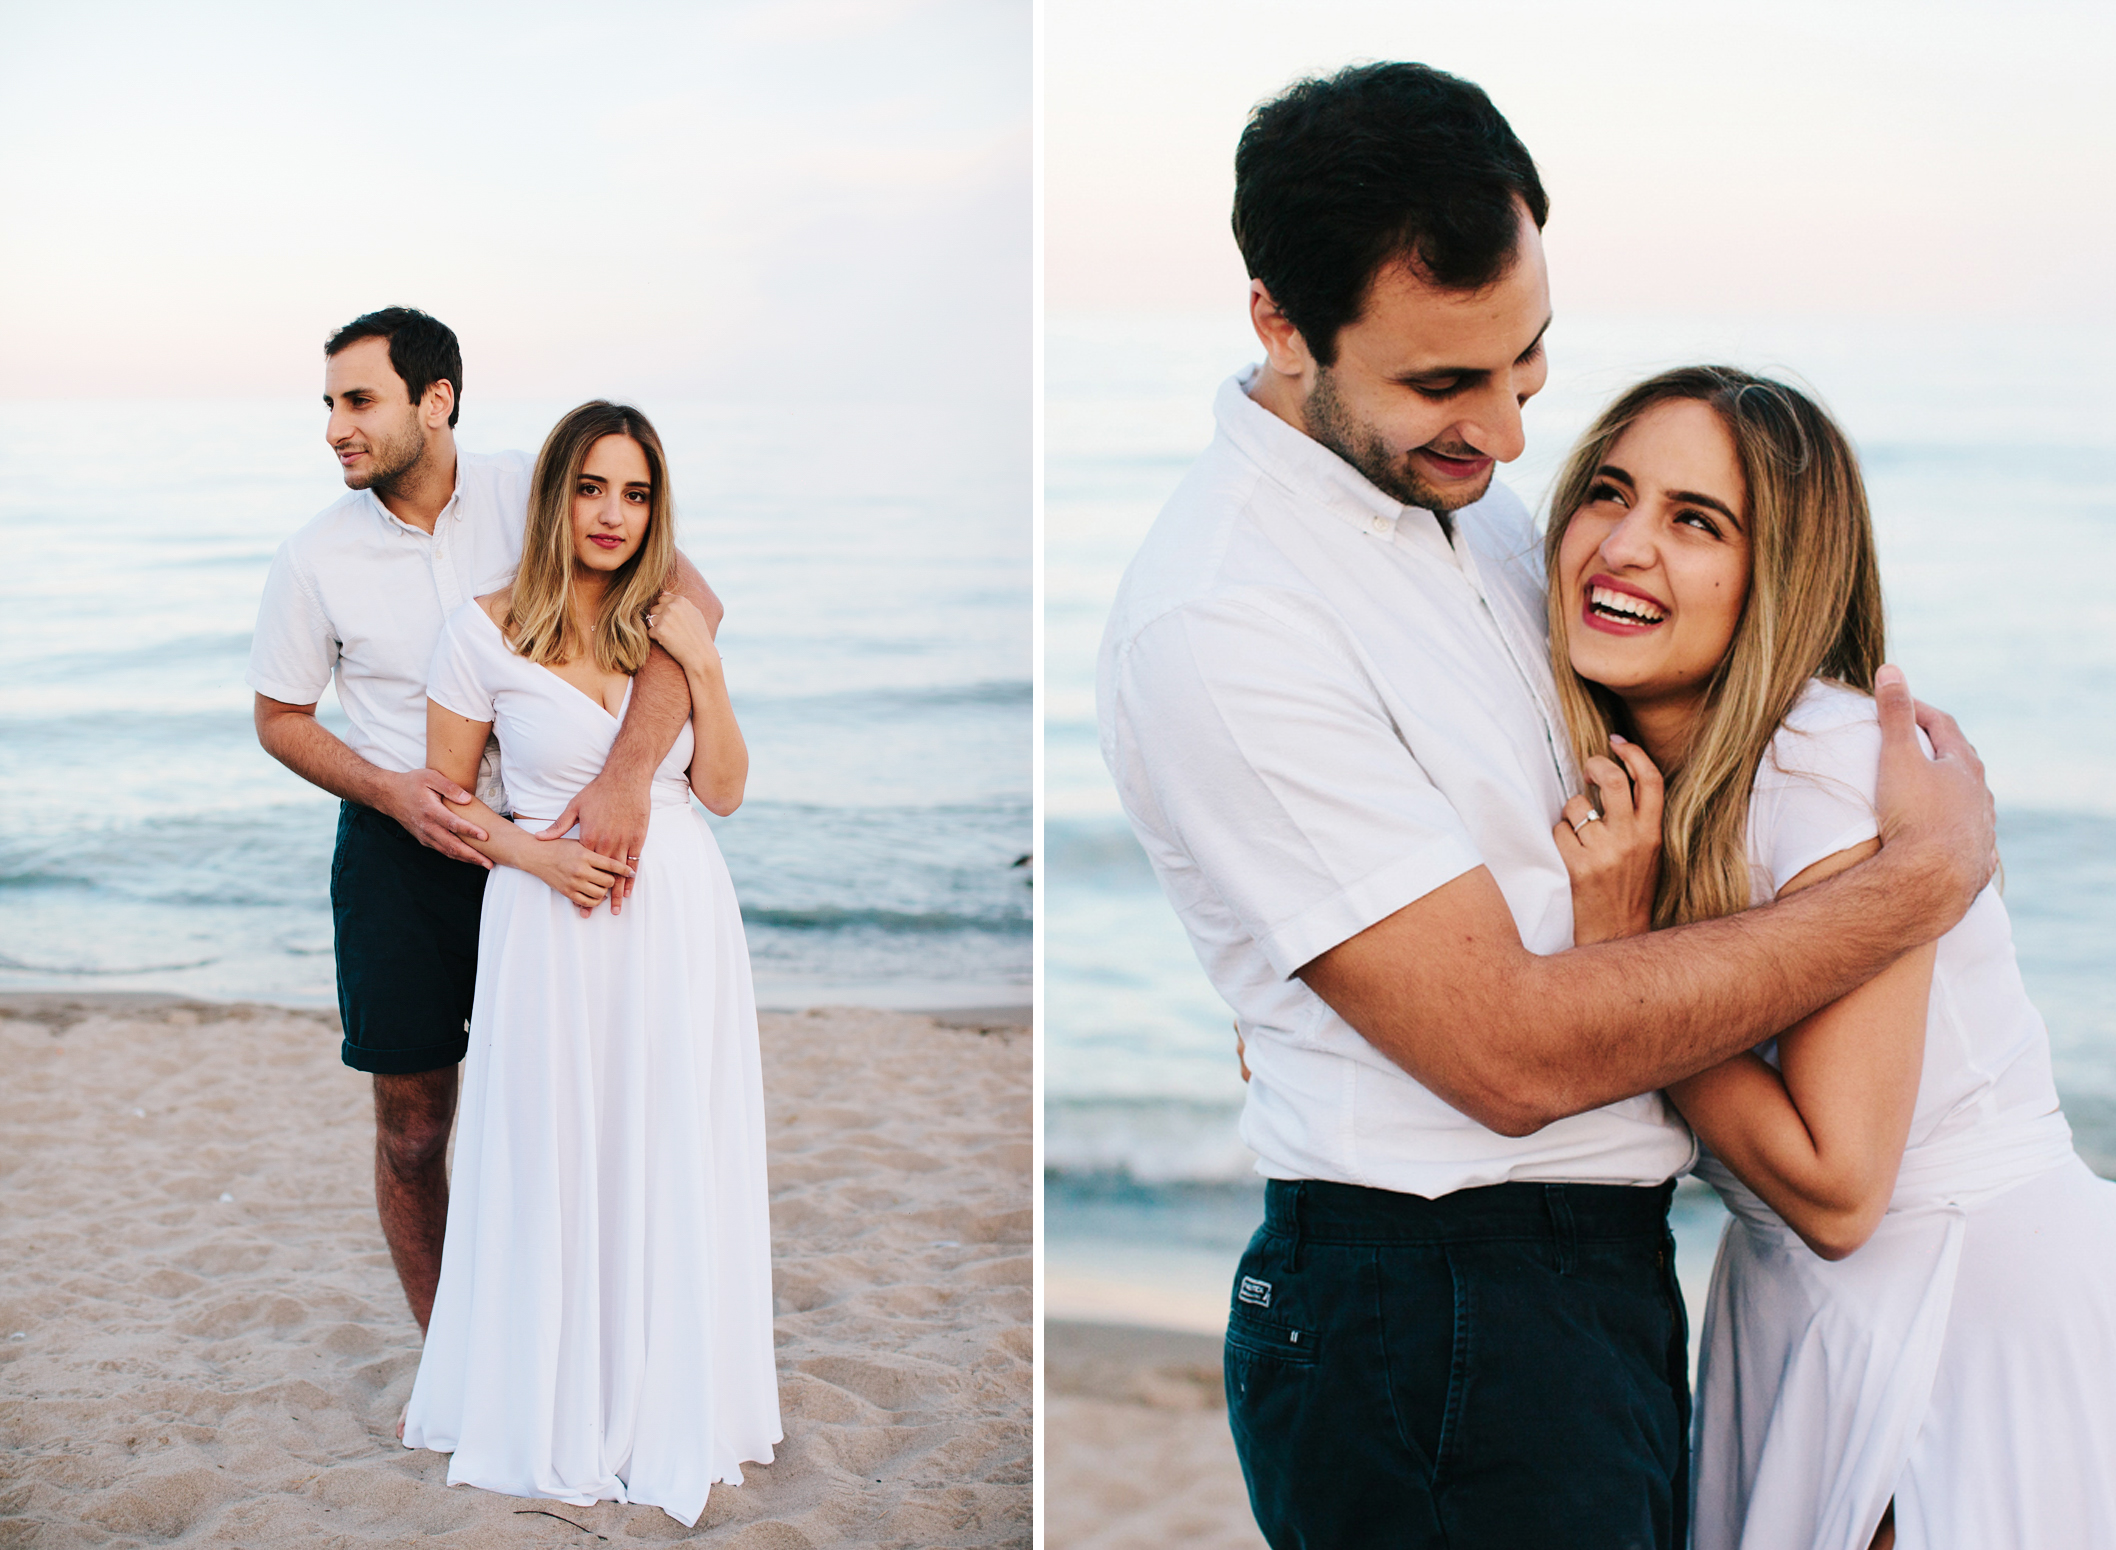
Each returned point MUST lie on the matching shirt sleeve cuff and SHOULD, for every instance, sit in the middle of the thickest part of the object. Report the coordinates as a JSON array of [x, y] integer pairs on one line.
[[1375, 897], [283, 690]]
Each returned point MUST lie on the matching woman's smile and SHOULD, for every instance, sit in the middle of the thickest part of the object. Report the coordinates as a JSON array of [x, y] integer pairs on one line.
[[1619, 608]]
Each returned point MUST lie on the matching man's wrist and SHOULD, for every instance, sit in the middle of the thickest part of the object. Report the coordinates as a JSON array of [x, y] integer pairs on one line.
[[1916, 880]]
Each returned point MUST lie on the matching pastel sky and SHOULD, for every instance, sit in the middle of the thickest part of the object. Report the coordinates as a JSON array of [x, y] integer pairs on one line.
[[815, 199], [1854, 157]]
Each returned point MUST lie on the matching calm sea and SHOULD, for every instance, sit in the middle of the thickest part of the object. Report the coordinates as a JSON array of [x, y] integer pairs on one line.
[[1990, 452], [875, 562]]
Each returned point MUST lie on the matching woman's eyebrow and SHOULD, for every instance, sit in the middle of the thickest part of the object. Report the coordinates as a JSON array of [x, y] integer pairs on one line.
[[1694, 498], [1611, 471]]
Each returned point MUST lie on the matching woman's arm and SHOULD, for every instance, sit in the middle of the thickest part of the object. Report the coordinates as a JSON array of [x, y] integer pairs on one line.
[[720, 759], [454, 745], [1821, 1138]]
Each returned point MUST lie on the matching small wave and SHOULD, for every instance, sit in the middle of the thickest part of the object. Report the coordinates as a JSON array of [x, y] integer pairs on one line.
[[19, 966], [1147, 1141], [827, 918], [40, 879], [1003, 693]]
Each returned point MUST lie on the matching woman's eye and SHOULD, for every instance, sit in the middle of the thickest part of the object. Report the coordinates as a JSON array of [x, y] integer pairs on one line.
[[1700, 521], [1602, 490]]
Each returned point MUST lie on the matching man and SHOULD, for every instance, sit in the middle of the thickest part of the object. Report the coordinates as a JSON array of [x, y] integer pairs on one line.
[[1326, 703], [359, 594]]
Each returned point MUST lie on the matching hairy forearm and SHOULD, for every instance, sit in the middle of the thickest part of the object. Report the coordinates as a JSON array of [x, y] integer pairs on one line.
[[319, 756], [1517, 1041], [661, 694]]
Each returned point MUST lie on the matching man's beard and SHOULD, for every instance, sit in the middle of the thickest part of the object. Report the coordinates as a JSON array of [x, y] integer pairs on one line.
[[391, 462], [1329, 422]]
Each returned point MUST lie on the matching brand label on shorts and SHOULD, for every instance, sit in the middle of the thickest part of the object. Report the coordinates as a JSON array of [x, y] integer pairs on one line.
[[1255, 1291]]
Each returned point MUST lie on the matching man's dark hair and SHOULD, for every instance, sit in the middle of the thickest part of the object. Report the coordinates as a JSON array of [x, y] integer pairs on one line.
[[1337, 177], [422, 350]]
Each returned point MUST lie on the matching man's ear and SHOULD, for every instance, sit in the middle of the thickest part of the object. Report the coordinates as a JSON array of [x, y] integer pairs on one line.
[[1283, 346], [438, 403]]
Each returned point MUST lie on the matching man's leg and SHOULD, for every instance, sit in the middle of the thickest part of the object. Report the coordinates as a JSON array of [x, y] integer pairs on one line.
[[406, 935], [412, 1117]]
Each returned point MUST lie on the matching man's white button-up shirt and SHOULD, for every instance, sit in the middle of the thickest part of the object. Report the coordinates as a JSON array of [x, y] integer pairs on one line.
[[1318, 708], [360, 595]]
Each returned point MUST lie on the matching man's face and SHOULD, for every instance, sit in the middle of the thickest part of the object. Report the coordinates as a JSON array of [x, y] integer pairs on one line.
[[1425, 395], [374, 428]]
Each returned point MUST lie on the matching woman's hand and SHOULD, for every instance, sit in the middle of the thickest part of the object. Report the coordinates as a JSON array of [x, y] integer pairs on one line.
[[680, 629], [578, 873], [1612, 853]]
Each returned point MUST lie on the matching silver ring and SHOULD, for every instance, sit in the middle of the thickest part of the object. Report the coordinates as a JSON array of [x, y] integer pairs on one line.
[[1592, 817]]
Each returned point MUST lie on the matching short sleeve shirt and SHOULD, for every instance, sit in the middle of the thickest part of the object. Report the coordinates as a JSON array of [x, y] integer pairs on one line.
[[1318, 706], [359, 595]]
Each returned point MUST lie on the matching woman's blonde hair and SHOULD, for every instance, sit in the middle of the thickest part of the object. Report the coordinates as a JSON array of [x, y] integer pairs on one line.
[[1813, 609], [540, 615]]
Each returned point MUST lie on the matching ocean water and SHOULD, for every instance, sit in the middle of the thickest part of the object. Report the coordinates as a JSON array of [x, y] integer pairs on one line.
[[875, 563], [1990, 453]]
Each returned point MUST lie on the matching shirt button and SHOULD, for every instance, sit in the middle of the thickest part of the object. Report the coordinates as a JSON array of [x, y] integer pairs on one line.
[[1378, 524]]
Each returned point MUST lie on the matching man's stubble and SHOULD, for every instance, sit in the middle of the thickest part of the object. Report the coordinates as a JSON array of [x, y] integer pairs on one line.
[[395, 460], [1328, 421]]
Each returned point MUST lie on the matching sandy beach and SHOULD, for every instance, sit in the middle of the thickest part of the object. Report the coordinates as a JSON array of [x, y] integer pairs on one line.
[[1136, 1450], [201, 1337]]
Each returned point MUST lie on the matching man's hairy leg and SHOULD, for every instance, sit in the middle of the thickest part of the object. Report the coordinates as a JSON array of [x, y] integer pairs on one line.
[[412, 1117]]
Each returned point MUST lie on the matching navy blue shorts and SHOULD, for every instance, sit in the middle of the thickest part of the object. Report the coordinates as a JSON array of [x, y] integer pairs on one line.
[[1500, 1367], [405, 922]]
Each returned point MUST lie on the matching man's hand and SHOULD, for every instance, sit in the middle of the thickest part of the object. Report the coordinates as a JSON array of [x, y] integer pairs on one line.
[[418, 800], [1939, 807], [612, 811]]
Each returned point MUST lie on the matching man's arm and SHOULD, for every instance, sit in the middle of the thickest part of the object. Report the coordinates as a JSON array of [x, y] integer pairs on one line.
[[612, 809], [415, 798], [1445, 989]]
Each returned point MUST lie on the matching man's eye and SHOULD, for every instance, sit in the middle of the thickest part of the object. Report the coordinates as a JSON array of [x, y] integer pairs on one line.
[[1446, 387]]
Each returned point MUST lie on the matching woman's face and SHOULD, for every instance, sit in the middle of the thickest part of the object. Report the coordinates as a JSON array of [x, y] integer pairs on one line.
[[1655, 566], [612, 501]]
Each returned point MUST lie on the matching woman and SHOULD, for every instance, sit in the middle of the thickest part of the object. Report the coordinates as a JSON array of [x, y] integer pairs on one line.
[[603, 1329], [1912, 1326]]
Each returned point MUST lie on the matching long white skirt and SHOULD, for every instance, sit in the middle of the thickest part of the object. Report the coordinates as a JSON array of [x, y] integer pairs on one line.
[[603, 1328], [1961, 1363]]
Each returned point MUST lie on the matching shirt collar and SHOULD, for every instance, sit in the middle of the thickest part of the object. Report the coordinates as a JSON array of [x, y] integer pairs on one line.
[[1307, 467], [451, 510]]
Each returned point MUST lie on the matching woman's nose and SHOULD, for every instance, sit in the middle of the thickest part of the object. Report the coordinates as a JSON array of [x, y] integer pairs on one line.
[[1629, 544]]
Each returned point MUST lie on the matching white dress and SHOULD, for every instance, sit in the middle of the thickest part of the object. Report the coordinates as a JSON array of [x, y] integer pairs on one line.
[[603, 1327], [1963, 1361]]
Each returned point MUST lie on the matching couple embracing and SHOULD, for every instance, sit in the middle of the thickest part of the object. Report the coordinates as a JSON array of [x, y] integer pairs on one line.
[[528, 670], [1541, 871]]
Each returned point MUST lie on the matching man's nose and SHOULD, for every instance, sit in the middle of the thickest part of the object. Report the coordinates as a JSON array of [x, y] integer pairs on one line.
[[1495, 428], [335, 428]]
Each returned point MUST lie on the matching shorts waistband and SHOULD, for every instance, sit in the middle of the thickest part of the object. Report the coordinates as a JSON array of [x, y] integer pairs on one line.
[[1319, 1211]]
